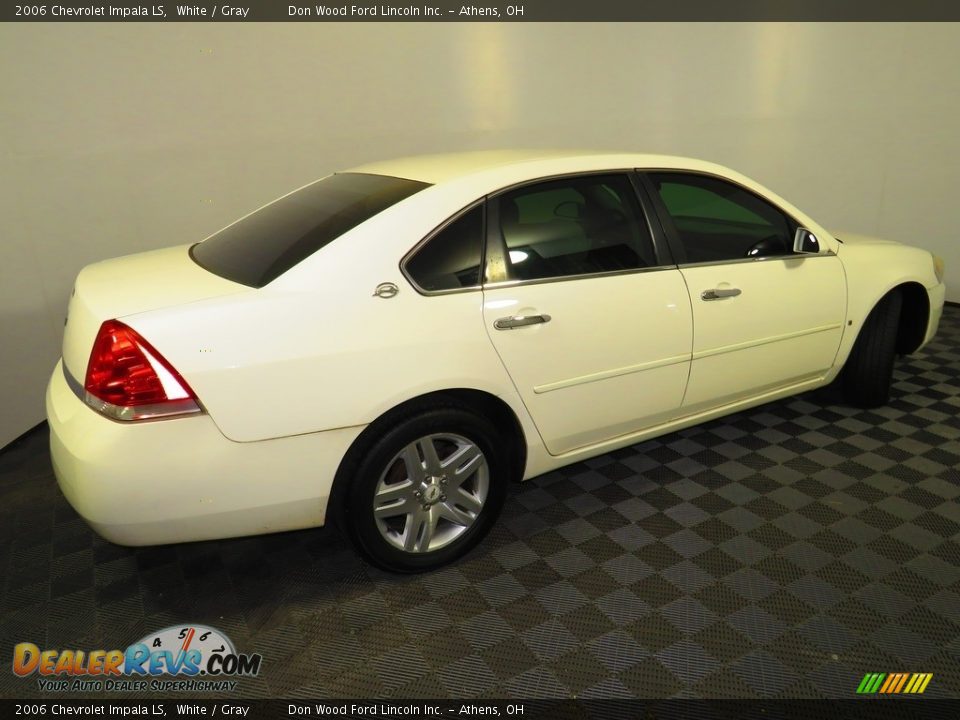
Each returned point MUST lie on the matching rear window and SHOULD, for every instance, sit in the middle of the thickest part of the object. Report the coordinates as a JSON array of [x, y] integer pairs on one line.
[[262, 246]]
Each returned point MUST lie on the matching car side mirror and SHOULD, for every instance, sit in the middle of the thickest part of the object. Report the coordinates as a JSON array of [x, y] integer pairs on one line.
[[805, 242]]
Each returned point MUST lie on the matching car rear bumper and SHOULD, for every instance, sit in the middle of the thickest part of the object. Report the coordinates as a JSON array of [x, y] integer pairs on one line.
[[178, 480]]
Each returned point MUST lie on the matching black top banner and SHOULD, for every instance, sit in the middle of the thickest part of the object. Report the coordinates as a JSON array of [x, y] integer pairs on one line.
[[517, 11]]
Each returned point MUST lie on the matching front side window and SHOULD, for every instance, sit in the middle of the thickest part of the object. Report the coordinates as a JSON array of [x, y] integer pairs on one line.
[[264, 245], [573, 226], [715, 220], [450, 260]]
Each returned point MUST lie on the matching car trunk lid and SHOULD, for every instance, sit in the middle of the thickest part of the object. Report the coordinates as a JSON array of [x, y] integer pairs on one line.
[[133, 284]]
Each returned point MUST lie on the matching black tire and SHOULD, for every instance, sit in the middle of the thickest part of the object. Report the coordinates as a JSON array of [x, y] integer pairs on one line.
[[380, 460], [867, 376]]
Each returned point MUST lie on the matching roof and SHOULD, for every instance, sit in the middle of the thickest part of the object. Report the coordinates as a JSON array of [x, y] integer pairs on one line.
[[441, 168]]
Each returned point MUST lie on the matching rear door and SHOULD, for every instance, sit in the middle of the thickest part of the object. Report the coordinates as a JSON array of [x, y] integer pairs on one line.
[[763, 317], [592, 323]]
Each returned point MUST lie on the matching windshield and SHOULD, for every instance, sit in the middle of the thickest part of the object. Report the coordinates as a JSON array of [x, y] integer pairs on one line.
[[264, 245]]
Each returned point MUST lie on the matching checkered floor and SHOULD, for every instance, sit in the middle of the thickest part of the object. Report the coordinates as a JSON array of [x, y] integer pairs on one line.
[[781, 552]]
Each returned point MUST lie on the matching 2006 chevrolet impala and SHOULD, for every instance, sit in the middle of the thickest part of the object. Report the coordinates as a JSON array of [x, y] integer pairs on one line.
[[392, 345]]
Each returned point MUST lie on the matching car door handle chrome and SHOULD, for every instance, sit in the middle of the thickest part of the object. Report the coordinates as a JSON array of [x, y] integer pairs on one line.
[[515, 321], [719, 293]]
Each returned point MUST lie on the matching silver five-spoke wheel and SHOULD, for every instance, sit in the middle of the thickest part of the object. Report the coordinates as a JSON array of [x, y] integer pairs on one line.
[[426, 486], [431, 492]]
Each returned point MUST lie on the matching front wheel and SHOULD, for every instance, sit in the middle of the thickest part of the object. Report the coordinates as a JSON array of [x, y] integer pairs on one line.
[[427, 491], [868, 373]]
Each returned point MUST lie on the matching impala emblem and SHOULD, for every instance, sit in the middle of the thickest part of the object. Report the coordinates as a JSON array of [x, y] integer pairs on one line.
[[386, 290]]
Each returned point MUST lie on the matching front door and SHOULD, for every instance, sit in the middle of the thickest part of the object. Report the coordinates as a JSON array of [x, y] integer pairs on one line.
[[764, 318]]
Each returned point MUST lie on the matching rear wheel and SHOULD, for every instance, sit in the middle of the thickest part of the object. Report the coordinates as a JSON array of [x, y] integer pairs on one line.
[[426, 491], [868, 373]]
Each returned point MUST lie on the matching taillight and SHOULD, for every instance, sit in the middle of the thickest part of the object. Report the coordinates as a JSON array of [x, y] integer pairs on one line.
[[127, 379]]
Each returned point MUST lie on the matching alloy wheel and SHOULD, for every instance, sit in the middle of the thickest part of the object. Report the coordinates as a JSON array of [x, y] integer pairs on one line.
[[431, 492]]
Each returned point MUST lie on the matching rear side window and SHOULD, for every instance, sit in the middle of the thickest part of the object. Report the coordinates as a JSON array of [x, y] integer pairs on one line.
[[450, 260], [574, 226], [261, 247]]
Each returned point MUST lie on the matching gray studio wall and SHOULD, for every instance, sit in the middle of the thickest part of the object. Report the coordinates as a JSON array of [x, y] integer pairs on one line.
[[118, 138]]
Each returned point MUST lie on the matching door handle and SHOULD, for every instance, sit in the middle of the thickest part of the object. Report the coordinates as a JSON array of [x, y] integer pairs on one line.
[[719, 293], [515, 321]]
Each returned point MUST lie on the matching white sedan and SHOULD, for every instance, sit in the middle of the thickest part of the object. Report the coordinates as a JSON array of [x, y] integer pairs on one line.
[[390, 346]]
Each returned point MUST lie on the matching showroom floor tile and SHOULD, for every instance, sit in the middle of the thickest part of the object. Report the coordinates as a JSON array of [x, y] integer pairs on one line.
[[781, 552]]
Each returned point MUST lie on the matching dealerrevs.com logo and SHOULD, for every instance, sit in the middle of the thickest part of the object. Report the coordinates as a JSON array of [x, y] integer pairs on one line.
[[201, 658]]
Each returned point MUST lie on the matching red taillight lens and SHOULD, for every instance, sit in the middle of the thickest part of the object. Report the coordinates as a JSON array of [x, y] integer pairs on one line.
[[127, 379]]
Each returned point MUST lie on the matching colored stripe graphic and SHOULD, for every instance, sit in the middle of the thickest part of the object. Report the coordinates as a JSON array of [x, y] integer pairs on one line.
[[894, 683], [903, 679], [918, 683], [891, 681], [868, 682]]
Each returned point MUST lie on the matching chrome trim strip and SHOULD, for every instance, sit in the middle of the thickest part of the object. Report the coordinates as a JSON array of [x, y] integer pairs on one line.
[[72, 382], [765, 341], [767, 258], [585, 276], [632, 271], [606, 374]]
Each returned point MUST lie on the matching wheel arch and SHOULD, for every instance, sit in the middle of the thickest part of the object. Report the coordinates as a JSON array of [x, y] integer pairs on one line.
[[911, 329], [914, 317], [496, 410]]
